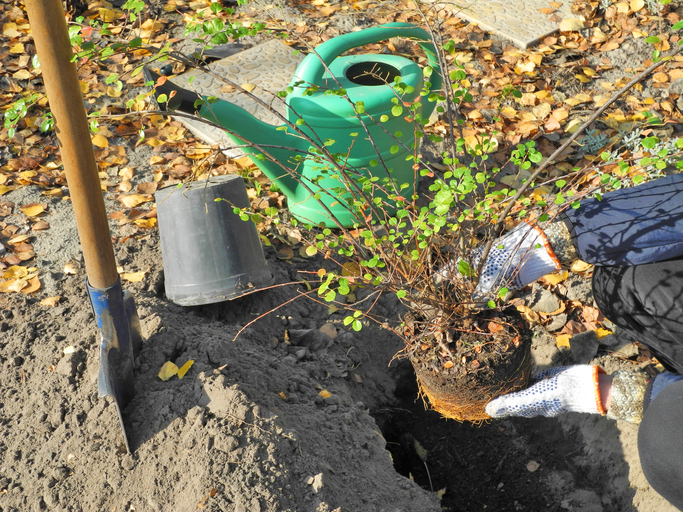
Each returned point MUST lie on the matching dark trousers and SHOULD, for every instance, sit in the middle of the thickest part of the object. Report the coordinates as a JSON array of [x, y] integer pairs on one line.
[[646, 301], [635, 239]]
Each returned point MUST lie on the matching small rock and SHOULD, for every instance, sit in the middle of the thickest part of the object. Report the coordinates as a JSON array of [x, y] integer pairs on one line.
[[584, 347], [39, 504], [676, 86], [60, 473], [313, 339], [544, 301], [128, 463], [610, 340], [626, 350], [532, 466], [225, 444], [579, 289], [329, 329], [67, 365], [51, 499], [316, 482], [18, 361], [557, 322]]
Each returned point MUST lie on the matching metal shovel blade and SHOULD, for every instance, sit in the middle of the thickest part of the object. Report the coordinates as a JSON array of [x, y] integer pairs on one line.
[[119, 326]]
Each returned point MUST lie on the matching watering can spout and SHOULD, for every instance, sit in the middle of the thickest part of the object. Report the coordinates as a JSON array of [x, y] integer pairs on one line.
[[272, 148]]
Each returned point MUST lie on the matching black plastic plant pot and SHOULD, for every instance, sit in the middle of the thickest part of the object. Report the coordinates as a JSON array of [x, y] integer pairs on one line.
[[209, 253]]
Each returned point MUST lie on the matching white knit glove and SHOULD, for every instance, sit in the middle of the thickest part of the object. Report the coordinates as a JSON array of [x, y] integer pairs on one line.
[[515, 260], [558, 390]]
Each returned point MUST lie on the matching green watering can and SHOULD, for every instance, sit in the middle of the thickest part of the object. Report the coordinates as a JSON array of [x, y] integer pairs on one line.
[[329, 117]]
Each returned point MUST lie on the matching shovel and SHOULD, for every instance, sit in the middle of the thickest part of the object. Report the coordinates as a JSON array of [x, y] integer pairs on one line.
[[114, 309]]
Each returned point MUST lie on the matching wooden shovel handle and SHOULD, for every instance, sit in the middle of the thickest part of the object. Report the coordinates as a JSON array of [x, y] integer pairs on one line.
[[51, 37]]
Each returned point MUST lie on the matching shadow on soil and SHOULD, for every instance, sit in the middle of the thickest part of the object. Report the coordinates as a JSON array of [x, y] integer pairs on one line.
[[518, 464]]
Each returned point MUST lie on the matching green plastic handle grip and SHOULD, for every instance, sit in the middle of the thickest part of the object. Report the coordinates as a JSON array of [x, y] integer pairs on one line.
[[312, 68]]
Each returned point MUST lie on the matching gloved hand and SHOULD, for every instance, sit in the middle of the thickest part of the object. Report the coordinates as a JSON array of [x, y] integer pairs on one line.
[[555, 391], [515, 260]]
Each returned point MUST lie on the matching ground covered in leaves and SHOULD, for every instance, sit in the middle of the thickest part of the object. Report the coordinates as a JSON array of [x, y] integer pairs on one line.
[[268, 421]]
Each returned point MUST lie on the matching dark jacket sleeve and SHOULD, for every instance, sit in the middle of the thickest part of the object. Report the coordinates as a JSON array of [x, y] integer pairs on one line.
[[631, 226]]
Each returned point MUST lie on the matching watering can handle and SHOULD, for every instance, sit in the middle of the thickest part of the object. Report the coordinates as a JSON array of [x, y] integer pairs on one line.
[[312, 69]]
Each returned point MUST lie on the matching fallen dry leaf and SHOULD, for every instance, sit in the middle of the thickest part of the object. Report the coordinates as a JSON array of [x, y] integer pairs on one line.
[[185, 368], [71, 268], [32, 210], [528, 314], [580, 266], [555, 278], [12, 285], [15, 272], [100, 141], [572, 25], [146, 223], [33, 286], [134, 277], [167, 371], [601, 333], [562, 341], [133, 200], [50, 301]]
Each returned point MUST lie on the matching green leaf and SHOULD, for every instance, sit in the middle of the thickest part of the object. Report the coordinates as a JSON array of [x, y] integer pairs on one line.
[[401, 293], [396, 110], [502, 292], [357, 325], [464, 268], [650, 142], [653, 39], [491, 304]]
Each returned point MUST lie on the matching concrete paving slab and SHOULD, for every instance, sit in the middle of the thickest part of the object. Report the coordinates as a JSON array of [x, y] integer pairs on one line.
[[522, 22], [268, 66]]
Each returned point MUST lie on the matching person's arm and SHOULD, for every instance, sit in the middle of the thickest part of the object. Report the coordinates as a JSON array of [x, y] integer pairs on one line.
[[623, 395], [630, 226]]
